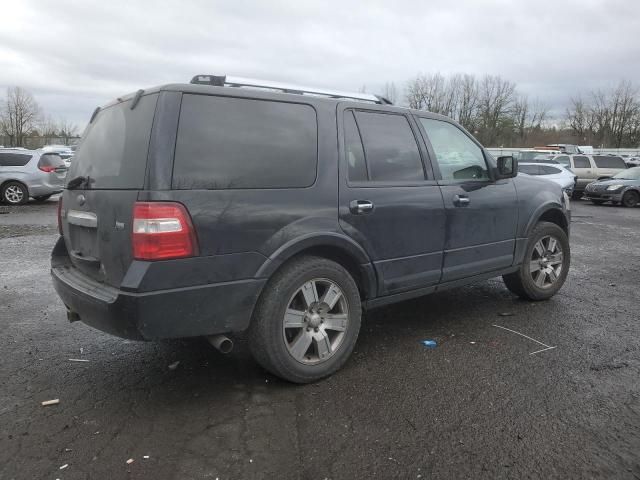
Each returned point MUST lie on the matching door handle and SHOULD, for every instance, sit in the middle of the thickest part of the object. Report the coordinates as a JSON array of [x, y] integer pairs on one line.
[[360, 207], [461, 200]]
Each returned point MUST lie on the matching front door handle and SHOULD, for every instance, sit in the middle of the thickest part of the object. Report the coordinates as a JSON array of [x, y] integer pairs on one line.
[[360, 207], [461, 200]]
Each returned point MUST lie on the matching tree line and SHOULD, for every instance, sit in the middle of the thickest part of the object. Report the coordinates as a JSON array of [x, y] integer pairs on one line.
[[22, 121], [493, 109]]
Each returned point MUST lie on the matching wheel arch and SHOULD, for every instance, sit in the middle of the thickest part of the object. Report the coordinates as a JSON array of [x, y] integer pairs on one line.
[[332, 246], [549, 213]]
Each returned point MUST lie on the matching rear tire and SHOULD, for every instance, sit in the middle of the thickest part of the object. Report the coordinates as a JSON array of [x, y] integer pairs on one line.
[[545, 266], [42, 198], [630, 199], [291, 333], [15, 193]]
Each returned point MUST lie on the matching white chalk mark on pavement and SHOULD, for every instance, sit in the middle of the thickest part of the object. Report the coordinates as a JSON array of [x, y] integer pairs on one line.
[[546, 347]]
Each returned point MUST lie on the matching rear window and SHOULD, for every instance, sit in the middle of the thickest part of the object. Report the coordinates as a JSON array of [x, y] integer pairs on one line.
[[14, 159], [51, 160], [113, 149], [603, 161], [226, 143]]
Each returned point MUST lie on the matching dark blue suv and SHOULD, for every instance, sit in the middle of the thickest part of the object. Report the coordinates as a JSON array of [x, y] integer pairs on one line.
[[209, 208]]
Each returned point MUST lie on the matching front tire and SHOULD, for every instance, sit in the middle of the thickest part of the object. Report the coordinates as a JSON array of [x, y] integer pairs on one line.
[[545, 265], [307, 320], [15, 193]]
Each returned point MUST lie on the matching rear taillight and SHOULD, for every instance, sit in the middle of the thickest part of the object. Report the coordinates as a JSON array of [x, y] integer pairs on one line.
[[60, 215], [47, 168], [162, 230]]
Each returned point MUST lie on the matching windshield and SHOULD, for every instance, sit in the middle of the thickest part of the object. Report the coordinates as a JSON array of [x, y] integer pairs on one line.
[[533, 156], [630, 174], [113, 149]]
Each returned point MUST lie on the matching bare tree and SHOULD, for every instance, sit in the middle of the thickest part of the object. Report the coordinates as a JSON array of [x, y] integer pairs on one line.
[[67, 130], [495, 101], [19, 115], [390, 92], [48, 128]]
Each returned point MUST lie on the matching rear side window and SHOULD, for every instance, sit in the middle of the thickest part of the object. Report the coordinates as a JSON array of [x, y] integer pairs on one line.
[[603, 161], [547, 170], [14, 159], [51, 160], [529, 169], [356, 164], [113, 149], [226, 143], [581, 162], [390, 148]]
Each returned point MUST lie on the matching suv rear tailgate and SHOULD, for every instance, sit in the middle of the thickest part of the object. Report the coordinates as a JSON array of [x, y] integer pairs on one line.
[[105, 178]]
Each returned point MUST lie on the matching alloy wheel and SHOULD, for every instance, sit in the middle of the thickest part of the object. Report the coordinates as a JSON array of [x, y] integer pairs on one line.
[[315, 321], [546, 262], [13, 194]]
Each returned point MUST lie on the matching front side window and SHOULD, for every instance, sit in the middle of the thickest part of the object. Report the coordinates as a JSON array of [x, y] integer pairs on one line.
[[390, 148], [227, 143], [580, 161], [458, 157]]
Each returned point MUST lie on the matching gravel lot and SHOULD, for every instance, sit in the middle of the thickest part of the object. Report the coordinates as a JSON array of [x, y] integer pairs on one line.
[[479, 405]]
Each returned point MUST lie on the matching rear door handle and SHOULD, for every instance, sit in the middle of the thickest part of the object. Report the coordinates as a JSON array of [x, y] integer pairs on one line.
[[461, 200], [360, 207]]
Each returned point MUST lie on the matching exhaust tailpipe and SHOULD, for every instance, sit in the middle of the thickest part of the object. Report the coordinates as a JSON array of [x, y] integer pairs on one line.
[[223, 343]]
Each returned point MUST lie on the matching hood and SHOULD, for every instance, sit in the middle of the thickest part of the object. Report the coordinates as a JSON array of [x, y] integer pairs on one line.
[[617, 181]]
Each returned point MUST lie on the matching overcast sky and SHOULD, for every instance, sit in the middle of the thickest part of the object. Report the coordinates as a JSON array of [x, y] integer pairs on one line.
[[74, 56]]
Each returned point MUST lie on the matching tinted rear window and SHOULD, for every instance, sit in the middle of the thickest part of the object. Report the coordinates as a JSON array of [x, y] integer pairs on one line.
[[390, 148], [228, 143], [546, 170], [51, 160], [529, 169], [603, 161], [14, 159], [113, 149]]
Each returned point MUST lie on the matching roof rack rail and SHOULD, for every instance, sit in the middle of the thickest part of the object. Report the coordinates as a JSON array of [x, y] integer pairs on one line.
[[227, 81]]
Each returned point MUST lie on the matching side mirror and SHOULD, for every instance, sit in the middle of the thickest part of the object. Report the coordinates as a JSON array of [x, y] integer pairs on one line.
[[507, 167]]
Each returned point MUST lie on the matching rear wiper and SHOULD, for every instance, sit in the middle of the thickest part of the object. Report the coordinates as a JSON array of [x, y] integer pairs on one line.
[[80, 181]]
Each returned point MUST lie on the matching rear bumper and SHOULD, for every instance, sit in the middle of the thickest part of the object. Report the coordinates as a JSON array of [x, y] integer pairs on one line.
[[174, 313]]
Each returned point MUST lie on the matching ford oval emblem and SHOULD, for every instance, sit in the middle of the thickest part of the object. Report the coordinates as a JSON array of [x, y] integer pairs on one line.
[[81, 199]]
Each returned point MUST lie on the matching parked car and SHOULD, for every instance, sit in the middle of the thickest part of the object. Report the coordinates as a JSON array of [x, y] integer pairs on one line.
[[30, 173], [554, 172], [65, 152], [623, 187], [205, 209], [532, 154], [632, 161], [590, 167]]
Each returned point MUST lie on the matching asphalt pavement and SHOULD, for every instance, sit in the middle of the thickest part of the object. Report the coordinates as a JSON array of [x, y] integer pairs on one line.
[[481, 404]]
